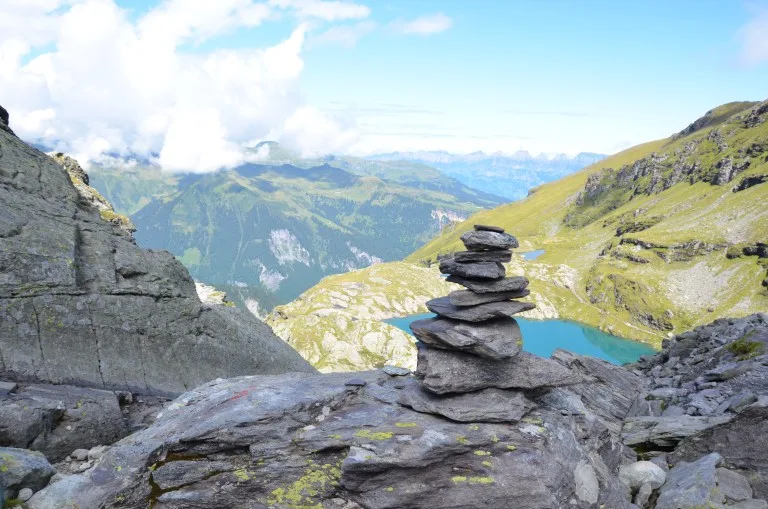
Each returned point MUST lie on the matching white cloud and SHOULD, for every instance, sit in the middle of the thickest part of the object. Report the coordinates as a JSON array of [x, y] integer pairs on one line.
[[112, 85], [327, 10], [754, 39], [345, 35], [424, 25]]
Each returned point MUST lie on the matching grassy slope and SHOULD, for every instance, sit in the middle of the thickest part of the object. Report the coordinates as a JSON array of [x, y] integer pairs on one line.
[[615, 293], [337, 324]]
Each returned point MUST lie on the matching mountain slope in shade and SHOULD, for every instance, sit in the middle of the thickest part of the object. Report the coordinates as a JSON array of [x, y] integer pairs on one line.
[[265, 233], [655, 239], [511, 176]]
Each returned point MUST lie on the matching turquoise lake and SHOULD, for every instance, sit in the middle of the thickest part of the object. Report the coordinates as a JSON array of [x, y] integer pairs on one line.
[[542, 337]]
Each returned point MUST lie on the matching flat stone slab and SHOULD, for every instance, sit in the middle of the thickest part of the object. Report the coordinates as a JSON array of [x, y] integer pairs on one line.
[[481, 240], [487, 228], [489, 405], [667, 431], [480, 313], [692, 485], [456, 372], [499, 339], [470, 298], [508, 284], [501, 256], [473, 270]]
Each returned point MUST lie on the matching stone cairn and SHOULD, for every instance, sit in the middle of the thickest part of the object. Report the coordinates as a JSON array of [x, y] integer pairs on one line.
[[471, 367]]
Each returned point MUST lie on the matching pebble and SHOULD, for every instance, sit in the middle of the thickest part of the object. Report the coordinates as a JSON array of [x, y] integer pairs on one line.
[[25, 494], [396, 371]]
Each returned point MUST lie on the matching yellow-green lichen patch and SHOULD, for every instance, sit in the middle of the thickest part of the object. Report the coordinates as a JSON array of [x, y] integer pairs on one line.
[[406, 424], [511, 447], [482, 453], [487, 464], [307, 491], [458, 479], [462, 440], [389, 488], [472, 480], [474, 427], [335, 436], [533, 420], [242, 475], [374, 435]]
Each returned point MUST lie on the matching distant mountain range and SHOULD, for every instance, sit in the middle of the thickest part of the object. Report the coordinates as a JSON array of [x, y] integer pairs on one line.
[[266, 232], [508, 175]]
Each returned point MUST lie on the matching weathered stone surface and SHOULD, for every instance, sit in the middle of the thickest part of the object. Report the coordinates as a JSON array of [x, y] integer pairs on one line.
[[479, 240], [487, 228], [608, 391], [735, 487], [488, 405], [498, 339], [692, 485], [469, 298], [741, 442], [667, 431], [396, 371], [473, 270], [636, 474], [483, 256], [509, 284], [20, 468], [56, 420], [308, 441], [480, 313], [455, 372], [750, 504], [80, 303]]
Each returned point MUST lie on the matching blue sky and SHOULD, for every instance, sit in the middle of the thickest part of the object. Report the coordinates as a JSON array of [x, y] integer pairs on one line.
[[383, 75]]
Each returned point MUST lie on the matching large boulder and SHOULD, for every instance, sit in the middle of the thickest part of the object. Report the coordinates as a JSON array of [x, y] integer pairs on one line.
[[21, 469], [303, 440], [57, 419], [81, 303]]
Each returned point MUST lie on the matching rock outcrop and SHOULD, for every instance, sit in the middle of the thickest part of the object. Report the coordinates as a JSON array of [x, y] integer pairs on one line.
[[81, 303]]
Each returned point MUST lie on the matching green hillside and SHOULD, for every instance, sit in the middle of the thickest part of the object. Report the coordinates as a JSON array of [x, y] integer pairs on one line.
[[337, 324], [655, 239], [264, 233]]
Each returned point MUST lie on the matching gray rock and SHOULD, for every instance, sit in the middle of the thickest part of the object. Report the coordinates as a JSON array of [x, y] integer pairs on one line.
[[735, 487], [750, 504], [81, 303], [57, 419], [692, 485], [740, 401], [509, 284], [396, 371], [636, 474], [479, 240], [355, 382], [483, 256], [587, 485], [667, 431], [488, 405], [473, 270], [21, 468], [480, 313], [741, 442], [498, 339], [25, 494], [7, 388], [80, 454], [277, 453], [487, 228], [454, 372], [470, 298], [643, 495], [661, 462]]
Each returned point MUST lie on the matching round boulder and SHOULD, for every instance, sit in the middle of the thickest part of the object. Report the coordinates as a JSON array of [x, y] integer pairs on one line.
[[636, 474]]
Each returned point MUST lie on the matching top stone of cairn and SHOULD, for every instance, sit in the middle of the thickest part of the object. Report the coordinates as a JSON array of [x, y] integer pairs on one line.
[[487, 240], [486, 228]]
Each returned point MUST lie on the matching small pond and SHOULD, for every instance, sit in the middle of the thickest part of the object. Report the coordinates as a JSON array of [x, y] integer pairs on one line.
[[542, 337], [532, 255]]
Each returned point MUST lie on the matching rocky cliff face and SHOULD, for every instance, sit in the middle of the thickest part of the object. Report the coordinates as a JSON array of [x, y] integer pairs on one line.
[[81, 303]]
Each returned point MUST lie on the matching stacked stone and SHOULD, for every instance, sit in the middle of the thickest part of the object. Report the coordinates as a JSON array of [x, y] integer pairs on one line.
[[470, 363]]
